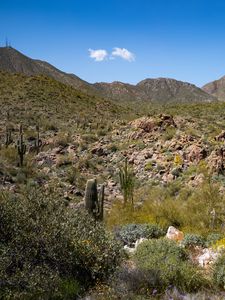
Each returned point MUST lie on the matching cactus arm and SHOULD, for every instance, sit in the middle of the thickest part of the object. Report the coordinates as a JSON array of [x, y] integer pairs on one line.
[[126, 178], [101, 202]]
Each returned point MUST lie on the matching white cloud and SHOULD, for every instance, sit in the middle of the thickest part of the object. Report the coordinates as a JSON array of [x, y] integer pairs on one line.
[[98, 55], [123, 53]]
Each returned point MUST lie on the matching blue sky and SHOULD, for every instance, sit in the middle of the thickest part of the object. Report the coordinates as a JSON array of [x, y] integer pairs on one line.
[[180, 39]]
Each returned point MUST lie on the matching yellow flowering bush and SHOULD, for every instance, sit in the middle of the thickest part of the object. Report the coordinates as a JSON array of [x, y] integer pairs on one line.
[[219, 244], [178, 160]]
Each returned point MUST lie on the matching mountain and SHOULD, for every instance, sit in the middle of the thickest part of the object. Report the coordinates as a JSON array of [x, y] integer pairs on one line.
[[156, 90], [162, 90], [216, 88], [13, 61]]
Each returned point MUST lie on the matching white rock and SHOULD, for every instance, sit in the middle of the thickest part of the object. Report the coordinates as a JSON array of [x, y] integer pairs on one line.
[[129, 250], [207, 258], [174, 234], [137, 243]]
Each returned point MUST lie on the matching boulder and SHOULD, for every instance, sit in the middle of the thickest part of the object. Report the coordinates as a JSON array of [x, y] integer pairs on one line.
[[166, 120], [216, 161], [195, 153], [207, 257], [145, 123], [168, 177], [174, 234], [196, 180]]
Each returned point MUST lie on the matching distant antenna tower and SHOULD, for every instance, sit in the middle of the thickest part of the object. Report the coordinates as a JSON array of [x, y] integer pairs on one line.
[[7, 43]]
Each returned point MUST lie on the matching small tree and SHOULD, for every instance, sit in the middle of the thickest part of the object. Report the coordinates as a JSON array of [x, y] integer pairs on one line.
[[126, 176]]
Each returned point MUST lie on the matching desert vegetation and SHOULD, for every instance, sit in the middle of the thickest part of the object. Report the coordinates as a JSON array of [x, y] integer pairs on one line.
[[89, 188]]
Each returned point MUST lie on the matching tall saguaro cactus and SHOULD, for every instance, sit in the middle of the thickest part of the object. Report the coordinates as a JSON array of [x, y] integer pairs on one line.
[[21, 147], [126, 177], [94, 202]]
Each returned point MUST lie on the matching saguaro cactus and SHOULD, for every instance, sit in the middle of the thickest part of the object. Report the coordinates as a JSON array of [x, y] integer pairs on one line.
[[21, 147], [126, 177], [94, 202]]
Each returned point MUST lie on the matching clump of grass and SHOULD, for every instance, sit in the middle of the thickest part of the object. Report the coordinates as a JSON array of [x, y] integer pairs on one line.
[[197, 211]]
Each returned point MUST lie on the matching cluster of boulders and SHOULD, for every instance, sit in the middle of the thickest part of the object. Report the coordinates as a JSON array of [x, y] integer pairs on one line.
[[154, 157]]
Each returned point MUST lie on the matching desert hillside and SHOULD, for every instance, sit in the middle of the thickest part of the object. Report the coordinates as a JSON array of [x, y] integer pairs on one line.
[[95, 192]]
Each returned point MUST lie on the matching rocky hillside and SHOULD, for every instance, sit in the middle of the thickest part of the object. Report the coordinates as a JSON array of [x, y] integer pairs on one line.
[[85, 137], [13, 61], [66, 118], [161, 90], [216, 88]]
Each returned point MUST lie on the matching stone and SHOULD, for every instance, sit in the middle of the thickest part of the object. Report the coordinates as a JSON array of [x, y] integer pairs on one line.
[[167, 120], [197, 180], [207, 257], [216, 162], [168, 177], [146, 124], [174, 234], [195, 153], [131, 250]]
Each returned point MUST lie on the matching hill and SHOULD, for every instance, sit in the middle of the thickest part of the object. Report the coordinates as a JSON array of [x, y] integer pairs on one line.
[[161, 90], [216, 88]]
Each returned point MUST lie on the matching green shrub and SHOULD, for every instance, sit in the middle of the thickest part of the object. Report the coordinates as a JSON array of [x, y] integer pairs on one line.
[[219, 271], [89, 138], [128, 234], [62, 139], [193, 240], [9, 155], [213, 238], [72, 175], [113, 147], [169, 262], [169, 133], [47, 247]]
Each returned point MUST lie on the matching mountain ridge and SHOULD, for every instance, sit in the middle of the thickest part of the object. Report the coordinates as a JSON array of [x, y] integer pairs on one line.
[[155, 90], [216, 88], [160, 90]]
